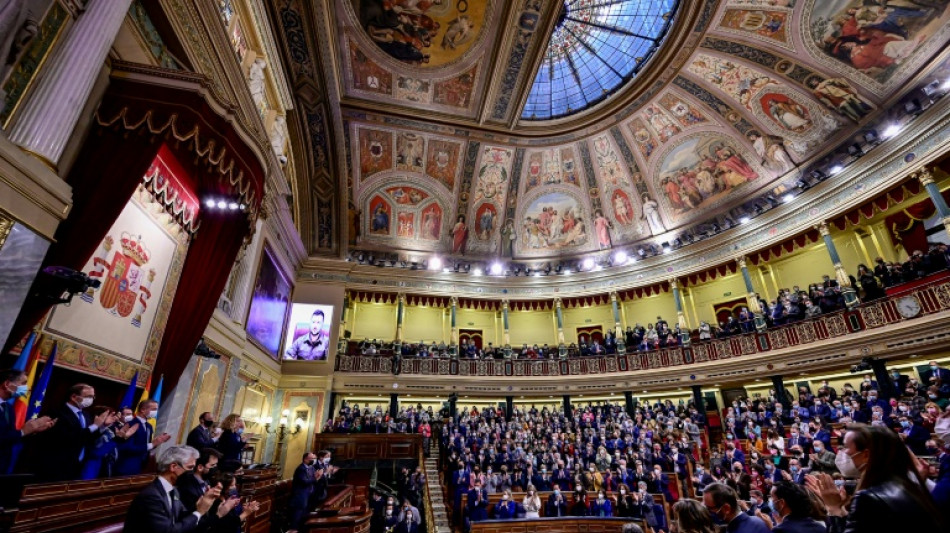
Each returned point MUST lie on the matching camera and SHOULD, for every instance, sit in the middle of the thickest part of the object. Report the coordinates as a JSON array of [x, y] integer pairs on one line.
[[60, 284]]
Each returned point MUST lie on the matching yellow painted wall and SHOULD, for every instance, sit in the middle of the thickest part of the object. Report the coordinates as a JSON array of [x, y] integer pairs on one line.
[[803, 268], [580, 317], [645, 310], [708, 294], [425, 324], [533, 327], [483, 320], [374, 321]]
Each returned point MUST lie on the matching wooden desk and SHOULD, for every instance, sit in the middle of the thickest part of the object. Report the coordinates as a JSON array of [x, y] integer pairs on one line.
[[556, 525], [369, 446], [350, 520]]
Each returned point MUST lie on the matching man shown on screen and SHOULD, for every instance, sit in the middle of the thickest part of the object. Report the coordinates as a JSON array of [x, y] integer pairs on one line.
[[311, 346]]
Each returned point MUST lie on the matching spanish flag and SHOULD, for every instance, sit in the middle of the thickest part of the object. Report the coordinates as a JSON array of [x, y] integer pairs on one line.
[[27, 363]]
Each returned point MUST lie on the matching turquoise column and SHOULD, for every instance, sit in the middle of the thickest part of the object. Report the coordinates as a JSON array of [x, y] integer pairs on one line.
[[680, 316], [400, 310], [454, 341], [927, 180], [752, 301], [559, 316], [844, 281], [618, 327], [506, 336]]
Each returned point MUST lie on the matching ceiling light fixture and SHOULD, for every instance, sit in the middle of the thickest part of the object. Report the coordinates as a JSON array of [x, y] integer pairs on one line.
[[210, 203], [222, 204], [435, 263], [620, 257], [891, 131], [497, 269], [788, 198], [836, 170], [587, 264], [744, 219], [477, 272]]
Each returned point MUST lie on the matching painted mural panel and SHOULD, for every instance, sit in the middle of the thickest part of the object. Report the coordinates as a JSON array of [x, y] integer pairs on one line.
[[404, 195], [376, 152], [413, 90], [619, 198], [488, 204], [685, 113], [455, 91], [646, 142], [367, 74], [700, 171], [551, 166], [877, 40], [410, 148], [767, 24], [431, 222], [380, 212], [552, 222], [442, 161], [426, 33], [400, 214]]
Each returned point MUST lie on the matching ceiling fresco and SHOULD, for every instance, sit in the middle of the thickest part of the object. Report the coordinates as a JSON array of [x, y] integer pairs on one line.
[[437, 157]]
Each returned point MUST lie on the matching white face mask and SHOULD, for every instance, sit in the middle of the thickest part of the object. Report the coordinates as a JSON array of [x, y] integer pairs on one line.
[[846, 465], [85, 402], [128, 418], [153, 414]]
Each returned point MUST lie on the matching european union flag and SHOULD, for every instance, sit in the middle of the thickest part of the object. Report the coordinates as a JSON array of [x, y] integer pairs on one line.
[[129, 399], [39, 391]]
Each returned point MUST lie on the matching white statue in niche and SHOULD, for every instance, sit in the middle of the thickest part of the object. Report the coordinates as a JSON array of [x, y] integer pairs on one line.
[[255, 81], [278, 136], [652, 214]]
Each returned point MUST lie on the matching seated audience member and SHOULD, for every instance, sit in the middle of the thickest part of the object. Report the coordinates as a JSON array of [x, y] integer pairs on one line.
[[192, 485], [557, 505], [690, 516], [232, 440], [890, 495], [793, 509], [722, 503], [506, 508], [531, 503], [230, 513], [601, 506], [158, 508], [13, 386], [134, 451], [203, 435], [62, 449]]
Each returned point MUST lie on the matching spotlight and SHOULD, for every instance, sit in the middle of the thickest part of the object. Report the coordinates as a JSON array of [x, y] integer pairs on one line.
[[891, 131], [913, 107], [435, 263], [587, 264], [210, 203], [801, 184], [641, 251], [871, 137], [743, 219], [946, 85], [855, 150], [666, 248], [931, 88], [468, 267], [566, 272], [233, 206], [677, 243], [788, 198], [477, 271], [243, 207], [620, 257], [497, 269], [836, 170], [537, 274], [222, 204]]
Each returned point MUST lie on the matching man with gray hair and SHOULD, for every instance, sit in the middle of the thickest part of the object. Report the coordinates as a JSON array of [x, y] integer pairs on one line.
[[631, 528], [158, 508]]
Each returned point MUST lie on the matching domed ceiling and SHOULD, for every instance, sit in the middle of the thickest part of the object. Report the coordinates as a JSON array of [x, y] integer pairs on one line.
[[538, 129]]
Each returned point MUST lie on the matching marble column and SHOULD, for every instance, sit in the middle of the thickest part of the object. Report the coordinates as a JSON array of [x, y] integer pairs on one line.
[[559, 316], [618, 327], [680, 316], [400, 311], [341, 343], [927, 180], [50, 114], [453, 321], [844, 280], [752, 299], [506, 335]]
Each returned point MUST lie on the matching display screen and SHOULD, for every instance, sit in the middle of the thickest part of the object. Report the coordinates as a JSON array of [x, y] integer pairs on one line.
[[308, 332]]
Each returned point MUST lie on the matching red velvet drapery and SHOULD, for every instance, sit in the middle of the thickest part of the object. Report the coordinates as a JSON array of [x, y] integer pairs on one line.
[[907, 225], [137, 115]]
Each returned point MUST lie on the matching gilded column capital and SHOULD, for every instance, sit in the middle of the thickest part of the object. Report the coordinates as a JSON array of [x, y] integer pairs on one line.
[[675, 284], [740, 260], [557, 302], [822, 228], [614, 296], [454, 301], [925, 176], [504, 304]]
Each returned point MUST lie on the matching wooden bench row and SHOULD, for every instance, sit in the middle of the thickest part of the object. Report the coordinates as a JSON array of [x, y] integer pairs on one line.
[[557, 525]]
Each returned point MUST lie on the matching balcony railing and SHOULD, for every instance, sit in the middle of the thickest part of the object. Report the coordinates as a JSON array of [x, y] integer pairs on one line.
[[931, 298]]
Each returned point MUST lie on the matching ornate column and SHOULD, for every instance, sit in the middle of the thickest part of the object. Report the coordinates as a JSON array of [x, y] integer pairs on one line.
[[751, 299], [400, 310], [453, 308], [844, 281], [341, 343], [51, 112], [618, 328], [680, 316], [559, 316], [506, 337], [927, 180]]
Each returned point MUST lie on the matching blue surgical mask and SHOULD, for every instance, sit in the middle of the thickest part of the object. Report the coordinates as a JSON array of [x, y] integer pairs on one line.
[[21, 390], [905, 424], [239, 430]]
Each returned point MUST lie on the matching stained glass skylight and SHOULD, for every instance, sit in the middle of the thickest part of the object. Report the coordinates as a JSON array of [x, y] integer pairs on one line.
[[597, 46]]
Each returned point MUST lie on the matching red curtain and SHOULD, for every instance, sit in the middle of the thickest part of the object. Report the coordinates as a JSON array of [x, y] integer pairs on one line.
[[103, 180], [907, 225]]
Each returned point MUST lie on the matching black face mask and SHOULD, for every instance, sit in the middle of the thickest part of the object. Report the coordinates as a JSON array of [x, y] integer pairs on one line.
[[208, 423]]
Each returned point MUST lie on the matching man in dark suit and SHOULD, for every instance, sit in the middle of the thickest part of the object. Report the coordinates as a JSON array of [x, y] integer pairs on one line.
[[556, 505], [192, 485], [133, 452], [13, 386], [301, 491], [477, 503], [158, 508], [63, 447], [914, 436], [792, 504], [202, 437]]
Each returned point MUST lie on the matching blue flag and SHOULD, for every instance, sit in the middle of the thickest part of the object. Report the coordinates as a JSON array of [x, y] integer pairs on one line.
[[158, 390], [24, 357], [129, 399], [39, 390]]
